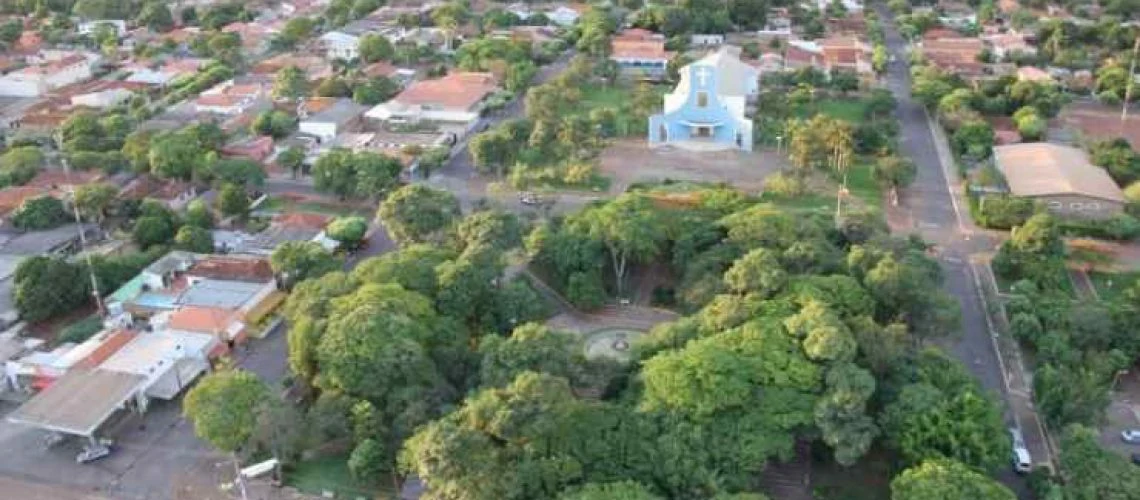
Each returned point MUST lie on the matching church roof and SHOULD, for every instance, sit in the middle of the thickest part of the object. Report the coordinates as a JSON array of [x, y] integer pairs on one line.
[[732, 73]]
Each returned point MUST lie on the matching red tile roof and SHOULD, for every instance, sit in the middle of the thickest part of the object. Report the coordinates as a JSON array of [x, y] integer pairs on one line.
[[302, 219], [212, 320], [454, 91], [13, 197], [636, 43], [232, 268], [55, 179]]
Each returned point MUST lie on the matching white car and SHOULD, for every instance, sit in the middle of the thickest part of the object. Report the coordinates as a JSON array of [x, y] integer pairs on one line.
[[1131, 436], [1022, 462]]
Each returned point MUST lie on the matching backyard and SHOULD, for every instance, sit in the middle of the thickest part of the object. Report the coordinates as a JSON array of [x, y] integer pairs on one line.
[[1110, 286]]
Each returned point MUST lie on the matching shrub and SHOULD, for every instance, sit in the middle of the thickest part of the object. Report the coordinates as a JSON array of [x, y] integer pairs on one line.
[[1004, 212], [585, 290], [1120, 227], [81, 330], [784, 185]]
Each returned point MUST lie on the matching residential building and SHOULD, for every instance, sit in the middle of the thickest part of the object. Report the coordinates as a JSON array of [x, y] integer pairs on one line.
[[88, 28], [102, 99], [851, 6], [834, 53], [38, 79], [168, 361], [174, 194], [340, 45], [1005, 45], [707, 108], [229, 98], [1061, 178], [706, 40], [456, 98], [1032, 74], [640, 54], [332, 117], [315, 68], [564, 16]]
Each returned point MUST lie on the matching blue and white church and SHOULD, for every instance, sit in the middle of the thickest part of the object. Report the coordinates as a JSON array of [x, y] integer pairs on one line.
[[706, 111]]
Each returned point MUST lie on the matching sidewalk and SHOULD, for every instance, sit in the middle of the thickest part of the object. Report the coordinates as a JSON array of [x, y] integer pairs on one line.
[[1018, 380]]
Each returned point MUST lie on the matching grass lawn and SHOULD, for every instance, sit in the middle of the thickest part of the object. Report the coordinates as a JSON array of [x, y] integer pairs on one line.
[[329, 474], [1110, 285], [852, 109], [281, 204], [614, 96], [862, 184], [809, 202]]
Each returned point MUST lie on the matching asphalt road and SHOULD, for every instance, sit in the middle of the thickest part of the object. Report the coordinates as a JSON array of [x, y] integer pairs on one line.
[[944, 221]]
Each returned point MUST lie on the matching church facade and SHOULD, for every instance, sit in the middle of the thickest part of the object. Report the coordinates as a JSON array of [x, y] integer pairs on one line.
[[706, 111]]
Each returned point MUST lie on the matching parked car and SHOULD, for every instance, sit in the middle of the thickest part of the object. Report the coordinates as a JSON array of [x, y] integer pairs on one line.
[[1019, 457], [1131, 436], [93, 452]]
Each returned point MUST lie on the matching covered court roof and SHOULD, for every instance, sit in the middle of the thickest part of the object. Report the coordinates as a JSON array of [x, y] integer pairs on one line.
[[78, 402]]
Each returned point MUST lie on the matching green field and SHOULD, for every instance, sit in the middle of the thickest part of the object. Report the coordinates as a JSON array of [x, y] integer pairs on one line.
[[614, 97], [328, 474]]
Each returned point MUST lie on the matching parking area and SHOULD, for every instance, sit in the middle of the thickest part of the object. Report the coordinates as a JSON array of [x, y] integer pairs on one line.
[[631, 161], [146, 450], [1122, 414], [155, 457]]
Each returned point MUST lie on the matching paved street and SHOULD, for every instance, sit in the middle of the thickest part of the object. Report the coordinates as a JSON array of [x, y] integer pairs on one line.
[[938, 212]]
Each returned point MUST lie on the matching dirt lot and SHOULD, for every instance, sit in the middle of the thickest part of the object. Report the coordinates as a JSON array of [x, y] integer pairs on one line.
[[630, 161], [1095, 121]]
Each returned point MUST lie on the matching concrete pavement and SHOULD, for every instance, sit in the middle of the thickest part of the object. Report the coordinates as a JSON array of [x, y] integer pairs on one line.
[[937, 211]]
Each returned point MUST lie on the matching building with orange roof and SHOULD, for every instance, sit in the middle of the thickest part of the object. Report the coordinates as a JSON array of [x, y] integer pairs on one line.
[[314, 67], [58, 180], [455, 98], [640, 53], [1033, 74]]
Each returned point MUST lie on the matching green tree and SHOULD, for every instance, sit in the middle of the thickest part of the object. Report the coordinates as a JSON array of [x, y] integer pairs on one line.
[[367, 461], [944, 415], [758, 271], [411, 266], [176, 155], [149, 231], [223, 408], [1092, 472], [348, 231], [374, 48], [630, 229], [295, 31], [290, 83], [417, 213], [20, 164], [530, 347], [41, 212], [292, 159], [296, 261], [893, 172], [198, 214], [946, 480], [375, 91], [155, 16], [273, 123], [622, 490], [93, 200], [37, 291], [232, 200], [194, 239]]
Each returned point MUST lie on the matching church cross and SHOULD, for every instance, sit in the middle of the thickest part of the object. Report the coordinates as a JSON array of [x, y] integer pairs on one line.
[[702, 75]]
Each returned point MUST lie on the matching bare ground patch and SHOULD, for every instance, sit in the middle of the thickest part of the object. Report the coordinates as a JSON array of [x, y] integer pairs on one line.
[[631, 161]]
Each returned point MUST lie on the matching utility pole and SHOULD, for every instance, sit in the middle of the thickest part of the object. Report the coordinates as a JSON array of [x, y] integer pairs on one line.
[[79, 225], [1128, 86]]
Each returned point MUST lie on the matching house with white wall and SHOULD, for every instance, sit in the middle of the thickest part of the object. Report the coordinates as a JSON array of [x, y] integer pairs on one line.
[[341, 45], [39, 79]]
